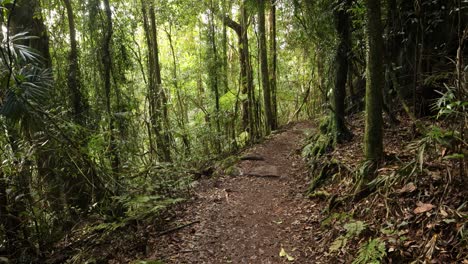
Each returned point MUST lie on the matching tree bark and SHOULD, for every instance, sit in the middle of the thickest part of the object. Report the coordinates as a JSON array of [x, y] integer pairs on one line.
[[274, 63], [342, 24], [269, 123], [248, 120], [183, 118], [375, 82], [78, 102], [156, 95], [214, 76], [107, 65], [25, 18]]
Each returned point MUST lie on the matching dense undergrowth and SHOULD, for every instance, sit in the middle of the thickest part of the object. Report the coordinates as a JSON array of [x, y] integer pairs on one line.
[[417, 211]]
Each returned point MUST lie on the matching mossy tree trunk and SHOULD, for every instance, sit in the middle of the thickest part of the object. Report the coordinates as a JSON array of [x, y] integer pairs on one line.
[[269, 123], [246, 74], [273, 62], [214, 75], [342, 24], [78, 101], [106, 59], [375, 81], [156, 95]]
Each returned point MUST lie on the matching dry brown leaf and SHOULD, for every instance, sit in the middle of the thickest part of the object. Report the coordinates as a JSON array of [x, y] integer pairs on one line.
[[443, 213], [410, 187], [422, 208]]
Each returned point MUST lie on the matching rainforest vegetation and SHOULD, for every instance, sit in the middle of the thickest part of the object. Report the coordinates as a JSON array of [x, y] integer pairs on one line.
[[116, 115]]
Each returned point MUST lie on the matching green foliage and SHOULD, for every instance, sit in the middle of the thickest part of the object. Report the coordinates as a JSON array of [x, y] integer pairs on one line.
[[336, 218], [435, 139], [338, 244], [27, 84], [371, 252], [353, 229], [142, 207], [450, 105]]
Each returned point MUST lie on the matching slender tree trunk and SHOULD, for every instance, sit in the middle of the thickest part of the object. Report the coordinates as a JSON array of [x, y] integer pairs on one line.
[[214, 75], [342, 24], [264, 68], [78, 102], [156, 95], [183, 118], [274, 62], [107, 65], [375, 81], [252, 121]]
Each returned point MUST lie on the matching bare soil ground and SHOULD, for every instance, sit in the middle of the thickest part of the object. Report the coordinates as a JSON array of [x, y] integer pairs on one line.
[[250, 217]]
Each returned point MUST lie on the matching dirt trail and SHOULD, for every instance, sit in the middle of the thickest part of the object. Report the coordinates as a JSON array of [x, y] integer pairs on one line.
[[249, 219]]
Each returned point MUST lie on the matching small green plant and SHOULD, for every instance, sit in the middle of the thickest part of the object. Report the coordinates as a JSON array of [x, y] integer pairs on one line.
[[371, 252], [353, 229], [336, 217]]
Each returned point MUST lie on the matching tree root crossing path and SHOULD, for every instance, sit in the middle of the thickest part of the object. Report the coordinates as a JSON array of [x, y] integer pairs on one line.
[[258, 214]]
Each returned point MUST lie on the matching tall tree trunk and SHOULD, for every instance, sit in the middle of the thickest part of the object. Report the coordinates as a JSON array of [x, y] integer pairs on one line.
[[225, 51], [156, 95], [248, 73], [78, 102], [274, 63], [375, 81], [107, 65], [342, 24], [248, 120], [214, 75], [183, 118], [27, 17], [264, 68]]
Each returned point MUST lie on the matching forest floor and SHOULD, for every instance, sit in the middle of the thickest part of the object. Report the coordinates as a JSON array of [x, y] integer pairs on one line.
[[259, 207], [251, 216]]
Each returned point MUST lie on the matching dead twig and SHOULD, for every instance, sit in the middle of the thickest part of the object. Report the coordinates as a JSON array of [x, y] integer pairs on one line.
[[170, 230]]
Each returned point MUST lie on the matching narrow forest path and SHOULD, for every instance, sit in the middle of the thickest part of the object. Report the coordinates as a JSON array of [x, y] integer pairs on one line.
[[250, 217]]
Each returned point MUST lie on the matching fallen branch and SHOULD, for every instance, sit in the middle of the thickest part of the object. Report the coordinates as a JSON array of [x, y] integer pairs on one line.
[[177, 228], [263, 175], [252, 157]]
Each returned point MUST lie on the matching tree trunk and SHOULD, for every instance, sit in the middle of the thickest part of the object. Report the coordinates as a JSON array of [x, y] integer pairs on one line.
[[247, 67], [375, 82], [107, 65], [225, 51], [214, 74], [274, 63], [78, 102], [248, 122], [156, 95], [342, 24], [183, 118], [27, 17], [269, 123]]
